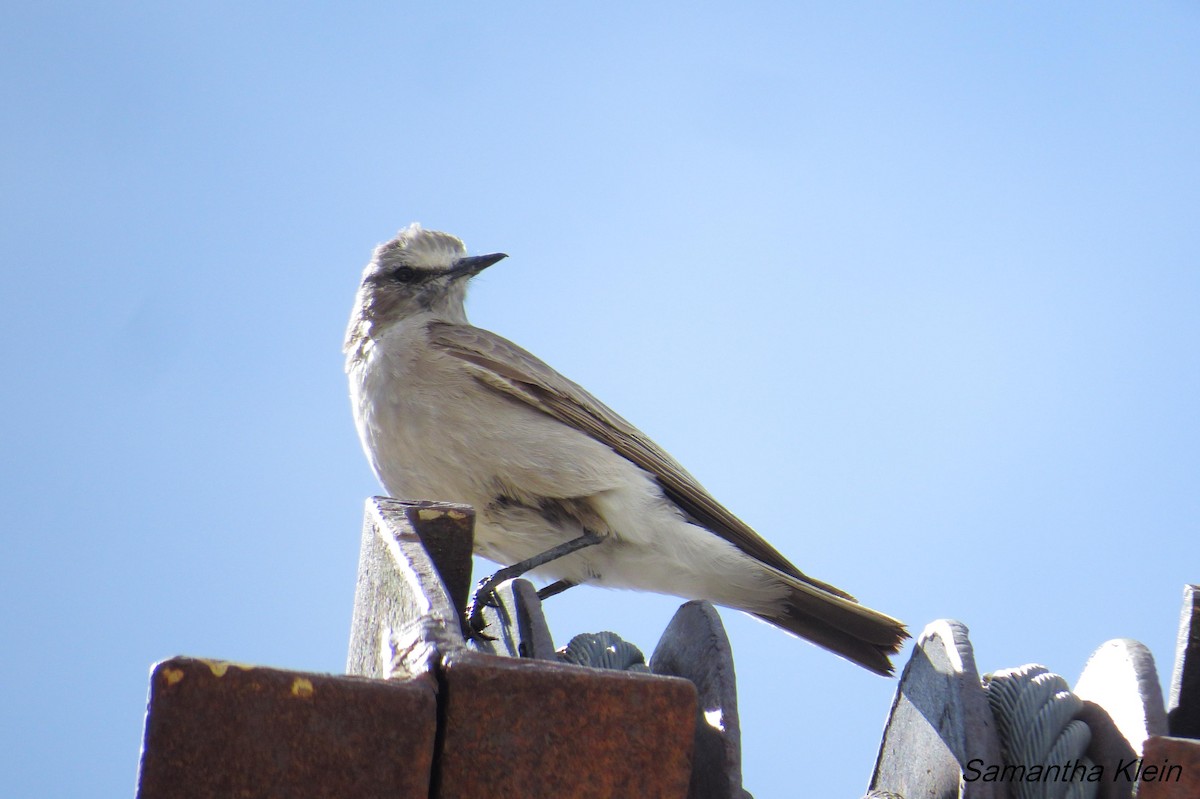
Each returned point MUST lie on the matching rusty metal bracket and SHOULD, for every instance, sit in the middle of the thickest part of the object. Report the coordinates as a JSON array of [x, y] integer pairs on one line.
[[446, 720]]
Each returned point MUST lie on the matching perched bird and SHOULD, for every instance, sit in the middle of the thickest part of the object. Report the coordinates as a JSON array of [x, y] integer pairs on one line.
[[560, 483]]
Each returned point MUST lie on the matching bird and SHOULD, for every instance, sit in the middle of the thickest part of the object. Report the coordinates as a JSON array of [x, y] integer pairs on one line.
[[563, 487]]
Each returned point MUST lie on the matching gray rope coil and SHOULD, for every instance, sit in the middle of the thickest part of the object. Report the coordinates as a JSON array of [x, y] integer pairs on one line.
[[603, 651], [1035, 715]]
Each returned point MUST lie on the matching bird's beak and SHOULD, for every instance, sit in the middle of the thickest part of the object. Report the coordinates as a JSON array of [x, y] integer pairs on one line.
[[472, 265]]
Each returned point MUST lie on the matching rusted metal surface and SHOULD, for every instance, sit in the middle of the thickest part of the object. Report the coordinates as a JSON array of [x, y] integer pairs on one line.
[[531, 728], [216, 729], [446, 722], [509, 727], [1169, 769]]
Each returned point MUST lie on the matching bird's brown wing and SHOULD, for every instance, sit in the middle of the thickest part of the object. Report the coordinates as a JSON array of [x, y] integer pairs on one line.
[[507, 368]]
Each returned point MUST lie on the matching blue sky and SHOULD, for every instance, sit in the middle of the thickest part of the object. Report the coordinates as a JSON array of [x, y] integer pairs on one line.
[[913, 288]]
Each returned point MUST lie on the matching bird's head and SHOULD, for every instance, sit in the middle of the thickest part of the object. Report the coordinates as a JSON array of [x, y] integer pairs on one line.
[[418, 272]]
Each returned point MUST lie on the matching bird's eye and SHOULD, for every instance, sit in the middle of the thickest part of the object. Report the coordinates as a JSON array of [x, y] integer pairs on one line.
[[405, 274]]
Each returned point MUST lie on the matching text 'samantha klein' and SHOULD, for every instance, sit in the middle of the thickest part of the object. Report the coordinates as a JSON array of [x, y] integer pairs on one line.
[[1133, 770]]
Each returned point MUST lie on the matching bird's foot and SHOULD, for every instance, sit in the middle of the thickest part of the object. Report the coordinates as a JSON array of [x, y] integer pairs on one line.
[[485, 597], [485, 593]]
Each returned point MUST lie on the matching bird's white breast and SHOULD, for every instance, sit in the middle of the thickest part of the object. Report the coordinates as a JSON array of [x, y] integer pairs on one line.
[[433, 431]]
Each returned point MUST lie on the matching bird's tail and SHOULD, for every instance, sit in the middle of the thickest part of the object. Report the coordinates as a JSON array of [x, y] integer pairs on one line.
[[835, 620]]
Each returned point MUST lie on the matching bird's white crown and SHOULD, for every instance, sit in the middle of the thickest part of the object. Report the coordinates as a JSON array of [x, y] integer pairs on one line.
[[421, 249]]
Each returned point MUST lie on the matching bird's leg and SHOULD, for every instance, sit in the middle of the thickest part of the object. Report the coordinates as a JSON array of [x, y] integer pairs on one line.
[[485, 593], [555, 588]]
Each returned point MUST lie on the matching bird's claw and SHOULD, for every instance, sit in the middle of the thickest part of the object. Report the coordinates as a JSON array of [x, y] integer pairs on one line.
[[479, 636], [485, 596]]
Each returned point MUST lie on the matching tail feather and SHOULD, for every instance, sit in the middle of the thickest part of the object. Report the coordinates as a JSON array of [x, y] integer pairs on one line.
[[841, 625]]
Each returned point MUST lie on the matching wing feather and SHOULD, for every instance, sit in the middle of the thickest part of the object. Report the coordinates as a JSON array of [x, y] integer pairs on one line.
[[511, 370]]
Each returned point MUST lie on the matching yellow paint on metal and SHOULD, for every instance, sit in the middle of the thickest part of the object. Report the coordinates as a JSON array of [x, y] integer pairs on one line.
[[427, 514], [219, 667]]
